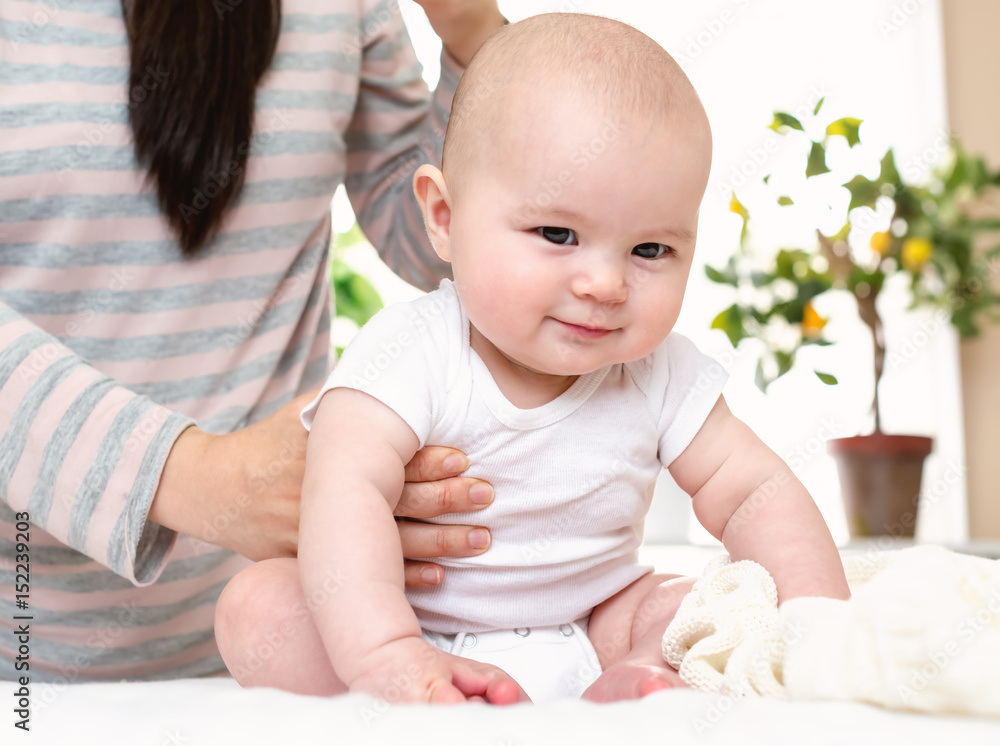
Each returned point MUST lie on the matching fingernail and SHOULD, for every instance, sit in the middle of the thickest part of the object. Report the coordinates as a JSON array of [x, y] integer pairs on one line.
[[479, 538], [481, 493], [456, 463], [430, 575]]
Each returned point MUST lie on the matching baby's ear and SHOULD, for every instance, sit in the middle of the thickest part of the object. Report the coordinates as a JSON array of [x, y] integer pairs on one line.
[[435, 204]]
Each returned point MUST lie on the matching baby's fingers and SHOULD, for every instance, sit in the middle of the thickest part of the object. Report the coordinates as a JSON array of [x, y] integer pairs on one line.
[[491, 684], [443, 693], [503, 691]]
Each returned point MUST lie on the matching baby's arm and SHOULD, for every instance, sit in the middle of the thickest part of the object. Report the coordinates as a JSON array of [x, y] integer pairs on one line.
[[355, 457], [747, 497]]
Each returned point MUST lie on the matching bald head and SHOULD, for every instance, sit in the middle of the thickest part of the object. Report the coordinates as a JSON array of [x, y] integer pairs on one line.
[[600, 61]]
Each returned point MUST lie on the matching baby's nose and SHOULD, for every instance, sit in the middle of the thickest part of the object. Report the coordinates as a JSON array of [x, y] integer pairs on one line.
[[604, 281]]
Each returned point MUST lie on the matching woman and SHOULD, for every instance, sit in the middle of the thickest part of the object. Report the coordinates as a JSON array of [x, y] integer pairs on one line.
[[166, 175]]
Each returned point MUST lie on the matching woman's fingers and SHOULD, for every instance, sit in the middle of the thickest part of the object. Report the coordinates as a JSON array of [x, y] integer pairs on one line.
[[417, 574], [431, 540], [435, 462], [431, 499]]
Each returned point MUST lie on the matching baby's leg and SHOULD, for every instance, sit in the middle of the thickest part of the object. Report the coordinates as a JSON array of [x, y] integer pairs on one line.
[[627, 630], [266, 633]]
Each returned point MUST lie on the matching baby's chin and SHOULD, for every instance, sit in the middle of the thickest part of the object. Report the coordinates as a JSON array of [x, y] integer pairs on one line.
[[582, 368], [562, 369], [572, 363]]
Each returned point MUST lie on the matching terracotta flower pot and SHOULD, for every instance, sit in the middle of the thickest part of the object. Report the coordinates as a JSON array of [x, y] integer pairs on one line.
[[880, 481]]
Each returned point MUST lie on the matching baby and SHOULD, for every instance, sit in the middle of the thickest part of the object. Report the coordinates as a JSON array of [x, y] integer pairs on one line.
[[574, 165]]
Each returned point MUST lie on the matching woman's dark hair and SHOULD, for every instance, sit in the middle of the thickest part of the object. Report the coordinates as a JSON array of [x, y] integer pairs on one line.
[[195, 65]]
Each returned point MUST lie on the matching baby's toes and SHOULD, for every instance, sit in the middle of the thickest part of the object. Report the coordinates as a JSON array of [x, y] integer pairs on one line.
[[662, 679], [631, 681]]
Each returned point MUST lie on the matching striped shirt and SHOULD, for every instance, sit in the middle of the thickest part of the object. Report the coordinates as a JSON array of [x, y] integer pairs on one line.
[[111, 344]]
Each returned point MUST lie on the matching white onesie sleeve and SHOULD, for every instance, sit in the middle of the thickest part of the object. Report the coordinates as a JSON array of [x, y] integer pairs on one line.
[[682, 385], [400, 357]]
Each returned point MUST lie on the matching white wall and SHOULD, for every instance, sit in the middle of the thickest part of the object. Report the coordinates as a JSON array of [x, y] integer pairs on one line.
[[877, 60]]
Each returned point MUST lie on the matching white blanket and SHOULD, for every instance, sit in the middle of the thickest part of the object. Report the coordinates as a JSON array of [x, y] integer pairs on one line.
[[207, 712], [921, 632]]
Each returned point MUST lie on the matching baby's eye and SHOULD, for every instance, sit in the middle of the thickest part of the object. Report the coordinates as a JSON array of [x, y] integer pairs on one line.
[[564, 236], [652, 250]]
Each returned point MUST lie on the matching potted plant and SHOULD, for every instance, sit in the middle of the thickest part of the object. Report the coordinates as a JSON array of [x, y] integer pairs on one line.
[[925, 232]]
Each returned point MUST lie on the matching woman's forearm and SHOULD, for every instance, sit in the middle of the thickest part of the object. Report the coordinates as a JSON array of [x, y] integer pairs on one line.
[[239, 490], [463, 26], [183, 477]]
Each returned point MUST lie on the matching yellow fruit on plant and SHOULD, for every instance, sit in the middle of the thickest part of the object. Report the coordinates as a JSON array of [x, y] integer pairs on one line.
[[881, 242], [812, 322], [915, 253]]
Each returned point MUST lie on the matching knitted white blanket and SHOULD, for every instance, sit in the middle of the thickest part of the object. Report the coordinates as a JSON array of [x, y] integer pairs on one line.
[[921, 632]]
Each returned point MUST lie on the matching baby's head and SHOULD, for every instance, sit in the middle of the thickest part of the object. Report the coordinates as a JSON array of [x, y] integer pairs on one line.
[[575, 161]]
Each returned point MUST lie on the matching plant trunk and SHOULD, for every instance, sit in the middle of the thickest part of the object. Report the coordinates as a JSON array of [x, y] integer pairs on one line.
[[869, 314]]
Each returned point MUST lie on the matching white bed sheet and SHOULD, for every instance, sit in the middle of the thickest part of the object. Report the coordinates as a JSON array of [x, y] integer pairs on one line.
[[217, 711]]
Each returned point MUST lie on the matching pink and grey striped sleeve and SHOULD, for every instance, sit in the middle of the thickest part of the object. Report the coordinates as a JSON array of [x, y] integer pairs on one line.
[[391, 133], [95, 502]]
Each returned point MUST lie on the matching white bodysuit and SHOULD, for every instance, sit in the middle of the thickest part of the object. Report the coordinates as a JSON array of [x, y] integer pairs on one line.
[[572, 479]]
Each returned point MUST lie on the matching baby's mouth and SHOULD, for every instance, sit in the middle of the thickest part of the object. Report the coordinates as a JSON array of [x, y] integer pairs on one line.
[[588, 332]]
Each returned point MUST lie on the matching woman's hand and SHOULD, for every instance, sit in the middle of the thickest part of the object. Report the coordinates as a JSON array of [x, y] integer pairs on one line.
[[432, 489], [241, 491], [463, 25]]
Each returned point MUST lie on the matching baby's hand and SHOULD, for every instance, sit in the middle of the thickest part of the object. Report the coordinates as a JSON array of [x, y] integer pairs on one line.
[[412, 670]]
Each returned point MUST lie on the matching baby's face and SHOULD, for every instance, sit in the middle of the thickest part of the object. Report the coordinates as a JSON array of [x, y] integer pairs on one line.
[[572, 249]]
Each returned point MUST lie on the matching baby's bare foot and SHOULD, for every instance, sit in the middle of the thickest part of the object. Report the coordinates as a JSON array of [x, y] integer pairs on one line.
[[631, 680]]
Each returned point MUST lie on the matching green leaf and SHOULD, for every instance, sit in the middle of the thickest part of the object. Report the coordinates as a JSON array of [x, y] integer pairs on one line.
[[731, 322], [817, 160], [785, 360], [339, 270], [365, 295], [985, 224], [814, 285], [957, 175], [842, 234], [888, 173], [759, 380], [818, 105], [356, 298], [781, 119], [785, 263], [722, 277], [962, 320], [873, 279], [863, 191], [352, 236], [847, 128], [826, 378], [784, 201], [736, 206]]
